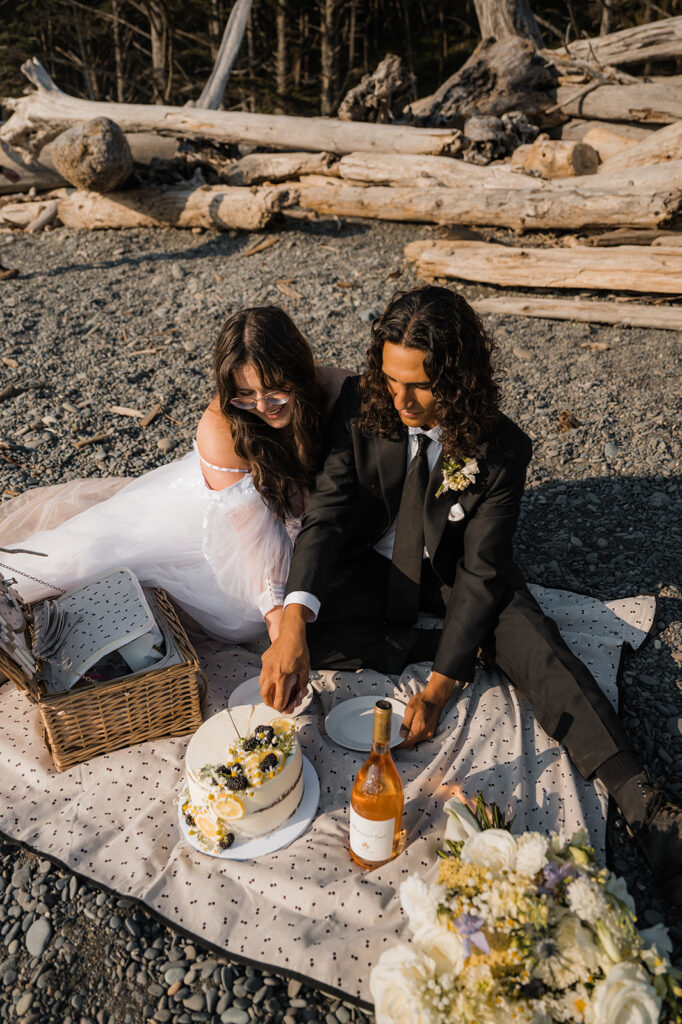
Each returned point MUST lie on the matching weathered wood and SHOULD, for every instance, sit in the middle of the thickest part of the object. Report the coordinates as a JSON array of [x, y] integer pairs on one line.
[[94, 155], [632, 314], [259, 167], [554, 158], [498, 77], [655, 40], [606, 142], [659, 147], [648, 102], [44, 113], [218, 207], [537, 206], [38, 174], [424, 172], [381, 95], [212, 94], [625, 268], [505, 18], [577, 128]]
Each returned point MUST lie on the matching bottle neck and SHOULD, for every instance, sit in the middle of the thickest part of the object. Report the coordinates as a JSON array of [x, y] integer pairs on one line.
[[381, 748]]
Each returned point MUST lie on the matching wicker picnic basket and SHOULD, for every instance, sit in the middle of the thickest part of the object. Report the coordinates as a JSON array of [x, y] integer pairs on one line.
[[96, 718]]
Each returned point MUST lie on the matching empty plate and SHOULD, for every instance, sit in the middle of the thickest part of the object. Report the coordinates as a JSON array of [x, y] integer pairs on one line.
[[249, 693], [351, 722]]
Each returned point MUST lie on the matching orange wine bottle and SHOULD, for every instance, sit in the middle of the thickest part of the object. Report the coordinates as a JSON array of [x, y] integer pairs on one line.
[[376, 803]]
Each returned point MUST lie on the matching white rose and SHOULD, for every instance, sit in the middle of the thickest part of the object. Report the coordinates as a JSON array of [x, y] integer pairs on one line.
[[625, 997], [444, 946], [461, 822], [396, 983], [494, 848], [576, 943], [531, 853], [420, 901]]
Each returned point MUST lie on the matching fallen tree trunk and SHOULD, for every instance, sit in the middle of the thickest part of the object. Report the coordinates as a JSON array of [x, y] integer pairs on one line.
[[219, 207], [43, 114], [630, 313], [655, 40], [555, 158], [658, 148], [259, 167], [648, 102], [625, 268], [607, 143], [38, 174]]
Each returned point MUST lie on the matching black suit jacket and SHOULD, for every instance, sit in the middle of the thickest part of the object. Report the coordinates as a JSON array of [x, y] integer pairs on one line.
[[356, 498]]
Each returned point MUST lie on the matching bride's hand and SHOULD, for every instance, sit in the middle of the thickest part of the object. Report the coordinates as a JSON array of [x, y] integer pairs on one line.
[[273, 620], [286, 663]]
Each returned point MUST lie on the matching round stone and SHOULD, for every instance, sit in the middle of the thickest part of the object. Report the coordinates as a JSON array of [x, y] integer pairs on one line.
[[38, 936]]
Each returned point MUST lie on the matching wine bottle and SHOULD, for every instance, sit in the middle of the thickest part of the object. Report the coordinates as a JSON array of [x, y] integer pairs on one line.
[[376, 803]]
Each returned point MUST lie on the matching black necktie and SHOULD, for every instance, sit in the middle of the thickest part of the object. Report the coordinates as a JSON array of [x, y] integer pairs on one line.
[[402, 600]]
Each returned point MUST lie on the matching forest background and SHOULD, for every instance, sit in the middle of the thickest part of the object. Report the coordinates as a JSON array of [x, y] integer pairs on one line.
[[297, 57]]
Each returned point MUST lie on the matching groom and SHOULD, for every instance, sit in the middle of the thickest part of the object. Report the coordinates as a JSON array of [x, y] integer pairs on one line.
[[415, 511]]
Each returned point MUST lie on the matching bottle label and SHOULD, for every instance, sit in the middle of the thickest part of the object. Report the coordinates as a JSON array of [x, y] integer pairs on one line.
[[371, 840]]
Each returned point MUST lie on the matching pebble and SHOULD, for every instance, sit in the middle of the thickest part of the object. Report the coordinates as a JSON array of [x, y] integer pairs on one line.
[[165, 444], [38, 936], [610, 450], [234, 1016]]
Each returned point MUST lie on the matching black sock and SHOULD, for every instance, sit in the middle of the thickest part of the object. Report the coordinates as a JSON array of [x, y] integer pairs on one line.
[[628, 784]]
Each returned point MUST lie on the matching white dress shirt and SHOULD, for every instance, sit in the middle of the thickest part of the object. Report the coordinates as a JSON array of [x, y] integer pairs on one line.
[[384, 545]]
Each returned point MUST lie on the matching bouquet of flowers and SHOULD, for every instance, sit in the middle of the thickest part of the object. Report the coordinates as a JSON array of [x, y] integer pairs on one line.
[[523, 928]]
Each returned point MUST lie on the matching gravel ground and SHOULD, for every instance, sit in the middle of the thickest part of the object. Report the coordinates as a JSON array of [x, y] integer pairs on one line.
[[129, 319]]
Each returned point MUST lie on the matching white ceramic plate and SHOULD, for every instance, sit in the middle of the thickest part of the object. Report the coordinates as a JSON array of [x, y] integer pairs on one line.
[[351, 722], [249, 693], [250, 849]]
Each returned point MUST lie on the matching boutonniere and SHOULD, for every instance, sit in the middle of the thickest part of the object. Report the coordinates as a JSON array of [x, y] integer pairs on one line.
[[457, 475]]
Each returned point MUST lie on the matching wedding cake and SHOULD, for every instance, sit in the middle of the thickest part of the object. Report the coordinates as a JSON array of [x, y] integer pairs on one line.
[[244, 776]]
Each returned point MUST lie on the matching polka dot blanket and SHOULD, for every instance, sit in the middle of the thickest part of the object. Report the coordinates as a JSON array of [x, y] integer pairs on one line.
[[308, 909]]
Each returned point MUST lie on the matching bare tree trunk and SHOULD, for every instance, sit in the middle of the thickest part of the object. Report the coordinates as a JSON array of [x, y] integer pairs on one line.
[[251, 62], [281, 57], [87, 73], [158, 27], [351, 34], [504, 18], [214, 23], [213, 91], [606, 23], [118, 54], [327, 56]]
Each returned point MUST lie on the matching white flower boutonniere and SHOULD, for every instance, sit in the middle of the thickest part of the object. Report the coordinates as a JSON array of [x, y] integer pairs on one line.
[[457, 475]]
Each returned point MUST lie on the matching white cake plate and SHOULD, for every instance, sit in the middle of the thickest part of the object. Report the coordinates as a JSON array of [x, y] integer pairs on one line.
[[249, 693], [250, 849]]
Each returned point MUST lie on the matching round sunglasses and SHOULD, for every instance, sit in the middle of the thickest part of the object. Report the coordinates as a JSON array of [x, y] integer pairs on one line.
[[269, 400]]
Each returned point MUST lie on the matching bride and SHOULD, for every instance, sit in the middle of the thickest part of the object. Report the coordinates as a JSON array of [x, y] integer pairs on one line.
[[215, 529]]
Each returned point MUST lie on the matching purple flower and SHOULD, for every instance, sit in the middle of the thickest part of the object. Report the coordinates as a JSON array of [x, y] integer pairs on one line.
[[554, 873], [470, 928]]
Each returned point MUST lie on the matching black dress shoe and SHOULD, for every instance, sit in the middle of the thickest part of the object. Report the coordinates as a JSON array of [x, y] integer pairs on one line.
[[660, 840]]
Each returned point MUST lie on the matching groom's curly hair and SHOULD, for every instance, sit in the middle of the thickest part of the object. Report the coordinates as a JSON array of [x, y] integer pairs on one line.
[[457, 358], [283, 461]]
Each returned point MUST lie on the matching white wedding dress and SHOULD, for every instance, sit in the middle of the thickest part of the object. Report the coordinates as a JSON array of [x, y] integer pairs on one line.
[[222, 555]]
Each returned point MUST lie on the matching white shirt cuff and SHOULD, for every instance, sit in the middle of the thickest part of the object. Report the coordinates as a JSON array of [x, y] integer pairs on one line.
[[308, 600]]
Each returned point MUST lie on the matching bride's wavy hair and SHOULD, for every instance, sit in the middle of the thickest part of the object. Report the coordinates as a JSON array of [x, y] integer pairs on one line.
[[457, 357], [283, 461]]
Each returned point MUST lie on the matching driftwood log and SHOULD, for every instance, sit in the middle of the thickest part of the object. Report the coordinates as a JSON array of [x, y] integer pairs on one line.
[[606, 142], [44, 113], [653, 41], [94, 155], [535, 207], [259, 167], [217, 207], [624, 268], [646, 102], [554, 158], [658, 148], [499, 76], [381, 95], [634, 314], [24, 174]]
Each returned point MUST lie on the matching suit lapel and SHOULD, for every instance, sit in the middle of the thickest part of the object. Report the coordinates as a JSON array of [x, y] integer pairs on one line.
[[436, 509], [391, 462]]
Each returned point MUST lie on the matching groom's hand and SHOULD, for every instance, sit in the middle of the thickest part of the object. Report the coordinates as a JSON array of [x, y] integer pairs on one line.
[[423, 711], [286, 663]]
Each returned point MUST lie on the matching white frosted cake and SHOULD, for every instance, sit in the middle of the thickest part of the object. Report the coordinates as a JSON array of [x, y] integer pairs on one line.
[[244, 776]]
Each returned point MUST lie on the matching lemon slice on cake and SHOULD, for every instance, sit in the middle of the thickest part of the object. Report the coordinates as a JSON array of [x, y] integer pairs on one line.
[[272, 761], [207, 825], [229, 808], [283, 726]]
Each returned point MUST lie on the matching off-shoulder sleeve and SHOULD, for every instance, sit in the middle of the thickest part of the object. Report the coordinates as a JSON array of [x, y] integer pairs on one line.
[[247, 547]]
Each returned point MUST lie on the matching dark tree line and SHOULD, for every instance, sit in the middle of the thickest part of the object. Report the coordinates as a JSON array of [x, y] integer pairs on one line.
[[298, 56]]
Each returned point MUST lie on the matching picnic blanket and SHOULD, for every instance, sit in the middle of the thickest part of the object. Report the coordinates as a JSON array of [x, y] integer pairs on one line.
[[307, 910]]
